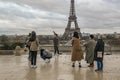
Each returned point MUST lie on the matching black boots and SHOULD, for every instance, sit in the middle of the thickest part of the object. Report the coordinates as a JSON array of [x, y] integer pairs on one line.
[[79, 65], [73, 65]]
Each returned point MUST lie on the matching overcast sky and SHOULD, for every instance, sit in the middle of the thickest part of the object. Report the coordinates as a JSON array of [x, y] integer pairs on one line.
[[45, 16]]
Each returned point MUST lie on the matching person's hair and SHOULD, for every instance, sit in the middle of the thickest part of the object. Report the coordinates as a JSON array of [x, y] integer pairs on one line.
[[75, 34], [92, 36], [33, 36]]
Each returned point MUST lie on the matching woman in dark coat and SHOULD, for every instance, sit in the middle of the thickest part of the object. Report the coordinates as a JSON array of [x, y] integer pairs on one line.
[[56, 43], [99, 49]]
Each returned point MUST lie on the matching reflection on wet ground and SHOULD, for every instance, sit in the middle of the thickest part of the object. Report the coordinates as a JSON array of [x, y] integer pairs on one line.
[[18, 68]]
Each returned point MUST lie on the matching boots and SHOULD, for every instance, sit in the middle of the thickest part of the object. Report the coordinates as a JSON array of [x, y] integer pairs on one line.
[[91, 65], [79, 65], [73, 65]]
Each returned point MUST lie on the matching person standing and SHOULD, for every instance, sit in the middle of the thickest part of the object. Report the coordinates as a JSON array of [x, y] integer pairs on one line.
[[56, 43], [90, 45], [77, 53], [99, 53], [33, 48]]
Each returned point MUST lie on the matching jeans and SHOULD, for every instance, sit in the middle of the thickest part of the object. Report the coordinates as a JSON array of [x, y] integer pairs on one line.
[[100, 64], [33, 57]]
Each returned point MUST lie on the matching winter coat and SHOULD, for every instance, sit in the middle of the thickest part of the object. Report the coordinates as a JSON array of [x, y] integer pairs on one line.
[[99, 47], [77, 53], [34, 45], [56, 41], [89, 46]]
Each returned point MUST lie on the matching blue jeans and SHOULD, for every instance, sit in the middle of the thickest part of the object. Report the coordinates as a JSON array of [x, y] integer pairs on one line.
[[100, 64]]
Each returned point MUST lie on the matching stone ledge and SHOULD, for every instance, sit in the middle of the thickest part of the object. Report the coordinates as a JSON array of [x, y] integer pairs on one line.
[[6, 52], [68, 48], [13, 52]]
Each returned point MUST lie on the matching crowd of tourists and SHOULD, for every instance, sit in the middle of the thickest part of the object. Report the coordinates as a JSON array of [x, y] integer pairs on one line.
[[94, 50]]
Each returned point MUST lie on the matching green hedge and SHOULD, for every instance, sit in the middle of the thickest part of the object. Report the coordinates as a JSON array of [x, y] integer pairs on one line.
[[11, 46]]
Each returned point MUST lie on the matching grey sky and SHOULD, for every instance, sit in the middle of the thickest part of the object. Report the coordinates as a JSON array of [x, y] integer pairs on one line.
[[45, 16]]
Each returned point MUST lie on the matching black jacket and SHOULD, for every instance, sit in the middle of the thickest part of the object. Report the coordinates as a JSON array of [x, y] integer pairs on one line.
[[56, 41], [99, 47]]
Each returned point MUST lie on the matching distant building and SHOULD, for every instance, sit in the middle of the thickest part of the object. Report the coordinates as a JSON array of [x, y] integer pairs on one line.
[[116, 35], [85, 34]]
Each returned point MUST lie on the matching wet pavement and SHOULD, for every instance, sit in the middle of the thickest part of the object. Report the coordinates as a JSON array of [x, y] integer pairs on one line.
[[18, 68]]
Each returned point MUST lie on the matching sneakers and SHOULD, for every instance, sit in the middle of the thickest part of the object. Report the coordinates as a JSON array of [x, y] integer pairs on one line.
[[33, 66], [98, 70], [47, 61]]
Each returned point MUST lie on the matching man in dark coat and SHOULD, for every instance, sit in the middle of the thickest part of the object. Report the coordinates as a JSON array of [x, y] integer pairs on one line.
[[99, 49], [56, 43]]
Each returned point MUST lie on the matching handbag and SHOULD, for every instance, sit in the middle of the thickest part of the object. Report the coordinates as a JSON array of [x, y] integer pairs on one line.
[[99, 54]]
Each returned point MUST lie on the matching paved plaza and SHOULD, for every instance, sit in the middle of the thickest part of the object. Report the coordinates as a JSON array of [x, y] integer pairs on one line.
[[18, 68]]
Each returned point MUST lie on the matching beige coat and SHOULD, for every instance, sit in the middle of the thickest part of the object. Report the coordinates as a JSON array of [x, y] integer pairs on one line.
[[90, 51], [77, 53], [34, 45]]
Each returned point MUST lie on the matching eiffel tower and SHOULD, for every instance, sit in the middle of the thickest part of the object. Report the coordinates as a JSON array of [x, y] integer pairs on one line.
[[72, 18]]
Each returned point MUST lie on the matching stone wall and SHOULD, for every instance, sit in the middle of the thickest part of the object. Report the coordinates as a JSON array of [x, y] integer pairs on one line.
[[6, 52], [68, 48], [61, 48], [22, 51]]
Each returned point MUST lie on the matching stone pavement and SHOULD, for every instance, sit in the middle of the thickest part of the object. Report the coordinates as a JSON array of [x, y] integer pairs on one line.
[[18, 68]]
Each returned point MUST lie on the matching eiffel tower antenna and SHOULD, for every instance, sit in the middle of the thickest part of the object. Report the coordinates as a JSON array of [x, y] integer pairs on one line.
[[72, 18]]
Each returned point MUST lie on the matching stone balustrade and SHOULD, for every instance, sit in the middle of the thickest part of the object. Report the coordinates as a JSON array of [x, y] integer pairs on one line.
[[17, 52], [6, 52], [22, 51], [68, 48]]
